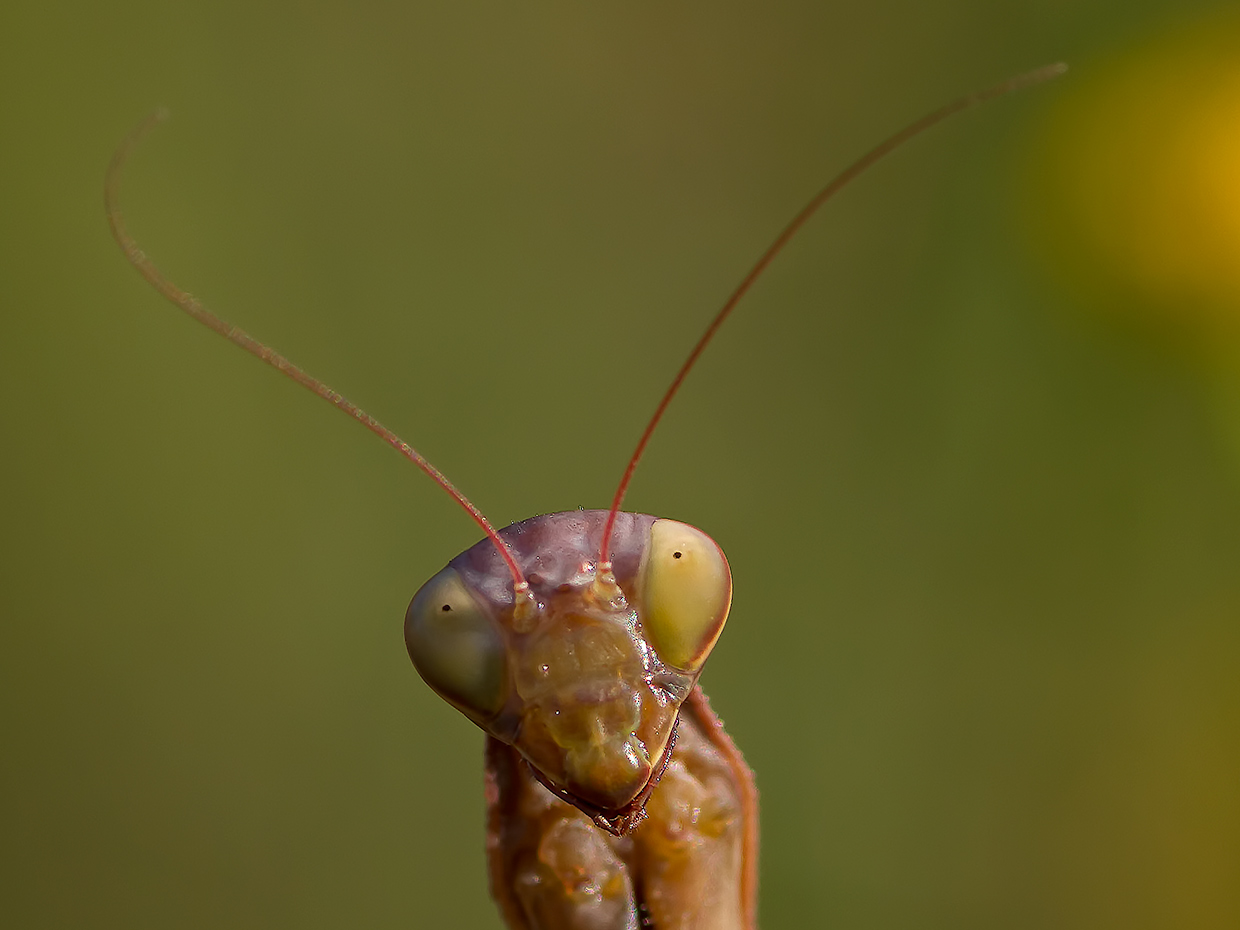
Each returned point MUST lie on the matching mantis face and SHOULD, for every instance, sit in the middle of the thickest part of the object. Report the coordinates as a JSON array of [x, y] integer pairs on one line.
[[585, 678]]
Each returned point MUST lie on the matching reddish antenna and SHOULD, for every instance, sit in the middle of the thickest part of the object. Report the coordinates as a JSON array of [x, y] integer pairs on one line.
[[239, 337], [833, 187]]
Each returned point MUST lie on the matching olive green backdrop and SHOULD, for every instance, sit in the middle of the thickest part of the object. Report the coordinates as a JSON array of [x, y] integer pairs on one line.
[[983, 654]]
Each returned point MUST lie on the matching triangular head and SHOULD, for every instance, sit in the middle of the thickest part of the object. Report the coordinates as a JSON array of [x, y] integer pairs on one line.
[[586, 677]]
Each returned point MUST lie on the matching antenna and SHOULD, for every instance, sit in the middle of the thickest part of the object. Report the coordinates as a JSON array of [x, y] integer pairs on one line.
[[833, 187], [233, 334]]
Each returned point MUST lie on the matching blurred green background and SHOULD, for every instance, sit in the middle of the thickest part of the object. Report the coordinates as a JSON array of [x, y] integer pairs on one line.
[[978, 479]]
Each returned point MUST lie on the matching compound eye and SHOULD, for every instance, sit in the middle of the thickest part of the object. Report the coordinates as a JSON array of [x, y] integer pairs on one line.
[[456, 647], [686, 590]]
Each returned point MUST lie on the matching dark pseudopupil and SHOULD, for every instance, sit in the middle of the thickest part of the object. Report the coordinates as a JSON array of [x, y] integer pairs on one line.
[[447, 607], [675, 555]]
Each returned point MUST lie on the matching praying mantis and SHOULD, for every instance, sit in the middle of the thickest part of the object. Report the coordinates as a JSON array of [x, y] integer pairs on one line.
[[615, 800]]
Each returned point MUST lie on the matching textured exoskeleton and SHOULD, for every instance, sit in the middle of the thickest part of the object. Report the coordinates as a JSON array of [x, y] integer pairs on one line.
[[615, 799]]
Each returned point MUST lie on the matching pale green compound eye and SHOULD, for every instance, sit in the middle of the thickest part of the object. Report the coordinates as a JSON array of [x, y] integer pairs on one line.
[[685, 593], [456, 647]]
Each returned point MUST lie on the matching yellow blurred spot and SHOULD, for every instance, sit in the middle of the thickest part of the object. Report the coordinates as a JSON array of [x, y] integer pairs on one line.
[[1139, 194]]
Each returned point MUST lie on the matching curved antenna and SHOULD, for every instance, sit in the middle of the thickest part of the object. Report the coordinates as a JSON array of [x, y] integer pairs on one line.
[[833, 187], [240, 337]]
